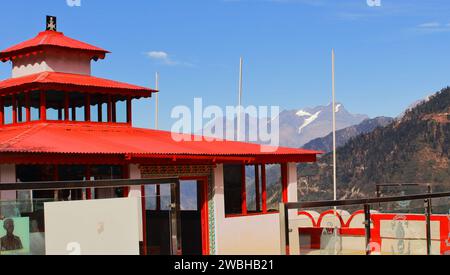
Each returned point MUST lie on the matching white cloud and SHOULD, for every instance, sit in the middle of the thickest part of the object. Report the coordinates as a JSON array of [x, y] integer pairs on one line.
[[158, 55], [433, 27], [430, 25], [165, 59]]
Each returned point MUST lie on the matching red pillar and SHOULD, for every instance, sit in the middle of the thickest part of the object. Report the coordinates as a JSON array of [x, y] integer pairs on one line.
[[28, 106], [2, 114], [284, 180], [74, 112], [113, 110], [100, 111], [203, 184], [87, 108], [19, 112], [66, 106], [14, 109], [258, 195], [109, 108], [129, 111], [244, 192], [60, 113], [43, 110], [264, 189]]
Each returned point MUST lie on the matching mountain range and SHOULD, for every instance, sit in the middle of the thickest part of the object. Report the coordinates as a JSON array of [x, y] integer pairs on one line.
[[412, 149], [325, 144], [298, 127]]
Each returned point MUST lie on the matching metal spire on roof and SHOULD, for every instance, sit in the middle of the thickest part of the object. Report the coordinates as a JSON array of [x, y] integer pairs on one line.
[[157, 102], [51, 23], [239, 118]]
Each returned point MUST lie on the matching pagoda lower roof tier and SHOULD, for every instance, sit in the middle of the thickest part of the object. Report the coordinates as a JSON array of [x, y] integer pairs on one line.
[[128, 143], [71, 83]]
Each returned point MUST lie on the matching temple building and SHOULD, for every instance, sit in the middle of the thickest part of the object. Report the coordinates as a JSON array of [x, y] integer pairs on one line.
[[59, 123]]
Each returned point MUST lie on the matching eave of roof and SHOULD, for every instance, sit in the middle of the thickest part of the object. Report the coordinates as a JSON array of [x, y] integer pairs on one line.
[[70, 82], [49, 39], [133, 143]]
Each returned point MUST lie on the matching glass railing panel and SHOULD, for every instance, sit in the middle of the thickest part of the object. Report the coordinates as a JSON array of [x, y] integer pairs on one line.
[[22, 229], [440, 226], [158, 224], [327, 231], [402, 227]]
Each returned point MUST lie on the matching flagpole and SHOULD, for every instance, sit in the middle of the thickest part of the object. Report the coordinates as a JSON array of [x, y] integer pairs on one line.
[[334, 149], [334, 127], [157, 101], [241, 66]]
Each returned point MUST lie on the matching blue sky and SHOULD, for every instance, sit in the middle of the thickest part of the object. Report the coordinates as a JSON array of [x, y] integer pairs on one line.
[[387, 56]]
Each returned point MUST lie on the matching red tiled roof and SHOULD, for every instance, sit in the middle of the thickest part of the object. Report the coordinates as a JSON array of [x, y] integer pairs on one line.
[[95, 138], [70, 82], [50, 39]]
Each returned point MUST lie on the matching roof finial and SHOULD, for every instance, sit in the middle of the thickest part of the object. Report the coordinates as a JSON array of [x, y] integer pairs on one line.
[[51, 23]]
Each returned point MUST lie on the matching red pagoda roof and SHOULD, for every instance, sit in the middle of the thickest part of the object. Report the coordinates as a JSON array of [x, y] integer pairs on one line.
[[134, 143], [70, 82], [50, 39]]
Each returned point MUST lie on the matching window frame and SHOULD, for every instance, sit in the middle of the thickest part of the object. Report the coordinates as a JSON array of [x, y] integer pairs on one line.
[[262, 192]]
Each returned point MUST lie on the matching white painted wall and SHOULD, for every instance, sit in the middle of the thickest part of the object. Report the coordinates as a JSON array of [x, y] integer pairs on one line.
[[294, 238], [135, 192], [54, 61], [7, 175], [258, 234], [94, 227]]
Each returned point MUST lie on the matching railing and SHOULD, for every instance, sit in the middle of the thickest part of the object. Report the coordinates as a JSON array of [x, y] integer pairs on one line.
[[413, 224], [27, 214]]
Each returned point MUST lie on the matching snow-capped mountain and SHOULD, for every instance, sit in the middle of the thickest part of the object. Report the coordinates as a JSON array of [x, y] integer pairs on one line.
[[298, 127]]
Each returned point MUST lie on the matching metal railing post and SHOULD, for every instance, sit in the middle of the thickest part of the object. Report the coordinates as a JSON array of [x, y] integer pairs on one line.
[[284, 229], [367, 224], [175, 220], [428, 213], [379, 196]]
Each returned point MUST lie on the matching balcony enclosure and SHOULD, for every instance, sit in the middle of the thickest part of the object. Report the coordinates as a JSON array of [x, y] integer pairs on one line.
[[65, 106]]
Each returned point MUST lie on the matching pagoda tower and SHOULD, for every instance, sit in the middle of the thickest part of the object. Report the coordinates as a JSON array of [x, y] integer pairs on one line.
[[51, 81]]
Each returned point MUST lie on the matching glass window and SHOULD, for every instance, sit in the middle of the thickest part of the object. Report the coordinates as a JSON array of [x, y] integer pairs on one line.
[[37, 173], [165, 197], [233, 189], [250, 184], [106, 172], [150, 197], [189, 193], [274, 187], [69, 173]]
